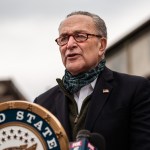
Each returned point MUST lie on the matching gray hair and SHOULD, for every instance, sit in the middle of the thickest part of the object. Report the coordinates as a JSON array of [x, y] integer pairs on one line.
[[99, 22]]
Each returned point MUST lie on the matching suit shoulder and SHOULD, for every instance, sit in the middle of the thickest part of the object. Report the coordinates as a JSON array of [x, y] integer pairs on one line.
[[48, 95], [130, 78]]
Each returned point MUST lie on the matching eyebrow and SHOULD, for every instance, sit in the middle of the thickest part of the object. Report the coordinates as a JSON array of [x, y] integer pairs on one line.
[[75, 32]]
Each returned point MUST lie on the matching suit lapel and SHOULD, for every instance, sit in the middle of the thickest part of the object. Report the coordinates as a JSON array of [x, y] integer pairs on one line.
[[99, 97]]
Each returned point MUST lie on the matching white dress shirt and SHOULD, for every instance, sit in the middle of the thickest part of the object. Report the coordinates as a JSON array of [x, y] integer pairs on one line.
[[83, 93]]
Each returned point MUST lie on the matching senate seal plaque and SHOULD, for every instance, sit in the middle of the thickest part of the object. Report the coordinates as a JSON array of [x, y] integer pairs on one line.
[[28, 126]]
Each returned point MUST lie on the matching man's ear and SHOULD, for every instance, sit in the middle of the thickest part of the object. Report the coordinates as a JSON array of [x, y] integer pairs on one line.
[[103, 44]]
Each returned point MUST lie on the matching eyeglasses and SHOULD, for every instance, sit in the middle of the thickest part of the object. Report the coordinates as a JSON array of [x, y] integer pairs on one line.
[[79, 37]]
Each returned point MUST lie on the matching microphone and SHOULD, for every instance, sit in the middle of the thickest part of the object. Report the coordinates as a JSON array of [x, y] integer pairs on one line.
[[86, 140], [97, 140]]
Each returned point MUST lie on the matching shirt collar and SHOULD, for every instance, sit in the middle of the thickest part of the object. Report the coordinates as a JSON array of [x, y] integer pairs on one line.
[[93, 83]]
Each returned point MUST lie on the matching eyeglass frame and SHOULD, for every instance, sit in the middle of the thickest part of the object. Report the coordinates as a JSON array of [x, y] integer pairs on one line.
[[73, 35]]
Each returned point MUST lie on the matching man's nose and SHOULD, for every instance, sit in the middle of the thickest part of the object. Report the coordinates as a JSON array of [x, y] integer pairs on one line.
[[71, 41]]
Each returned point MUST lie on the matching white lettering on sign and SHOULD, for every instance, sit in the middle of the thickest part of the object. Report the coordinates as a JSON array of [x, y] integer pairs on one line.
[[47, 131], [31, 117], [38, 125], [2, 117], [52, 143], [20, 115]]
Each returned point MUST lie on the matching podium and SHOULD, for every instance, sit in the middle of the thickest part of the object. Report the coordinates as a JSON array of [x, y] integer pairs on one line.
[[28, 126]]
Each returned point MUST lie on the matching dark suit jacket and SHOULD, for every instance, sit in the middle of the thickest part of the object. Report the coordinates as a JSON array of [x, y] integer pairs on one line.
[[119, 110]]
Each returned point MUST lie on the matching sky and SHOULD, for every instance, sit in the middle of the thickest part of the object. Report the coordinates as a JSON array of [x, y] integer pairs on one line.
[[29, 55]]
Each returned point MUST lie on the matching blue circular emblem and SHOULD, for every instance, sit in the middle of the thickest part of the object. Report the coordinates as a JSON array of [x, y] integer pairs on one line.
[[28, 126]]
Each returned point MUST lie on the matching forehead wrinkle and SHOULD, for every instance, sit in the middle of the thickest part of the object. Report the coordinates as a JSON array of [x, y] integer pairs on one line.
[[73, 23]]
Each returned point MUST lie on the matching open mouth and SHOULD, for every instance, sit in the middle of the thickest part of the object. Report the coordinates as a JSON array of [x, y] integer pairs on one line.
[[72, 56]]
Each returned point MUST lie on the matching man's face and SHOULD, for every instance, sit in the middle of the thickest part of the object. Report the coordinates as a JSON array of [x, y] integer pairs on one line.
[[79, 57]]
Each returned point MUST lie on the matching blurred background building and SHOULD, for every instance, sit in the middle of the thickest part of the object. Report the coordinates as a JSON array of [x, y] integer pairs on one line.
[[131, 54], [8, 91]]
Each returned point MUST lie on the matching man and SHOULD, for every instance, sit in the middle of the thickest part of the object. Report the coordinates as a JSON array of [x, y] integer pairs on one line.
[[90, 96]]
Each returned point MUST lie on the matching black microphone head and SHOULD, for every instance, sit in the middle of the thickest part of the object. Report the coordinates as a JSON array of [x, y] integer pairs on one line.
[[97, 140], [83, 134]]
